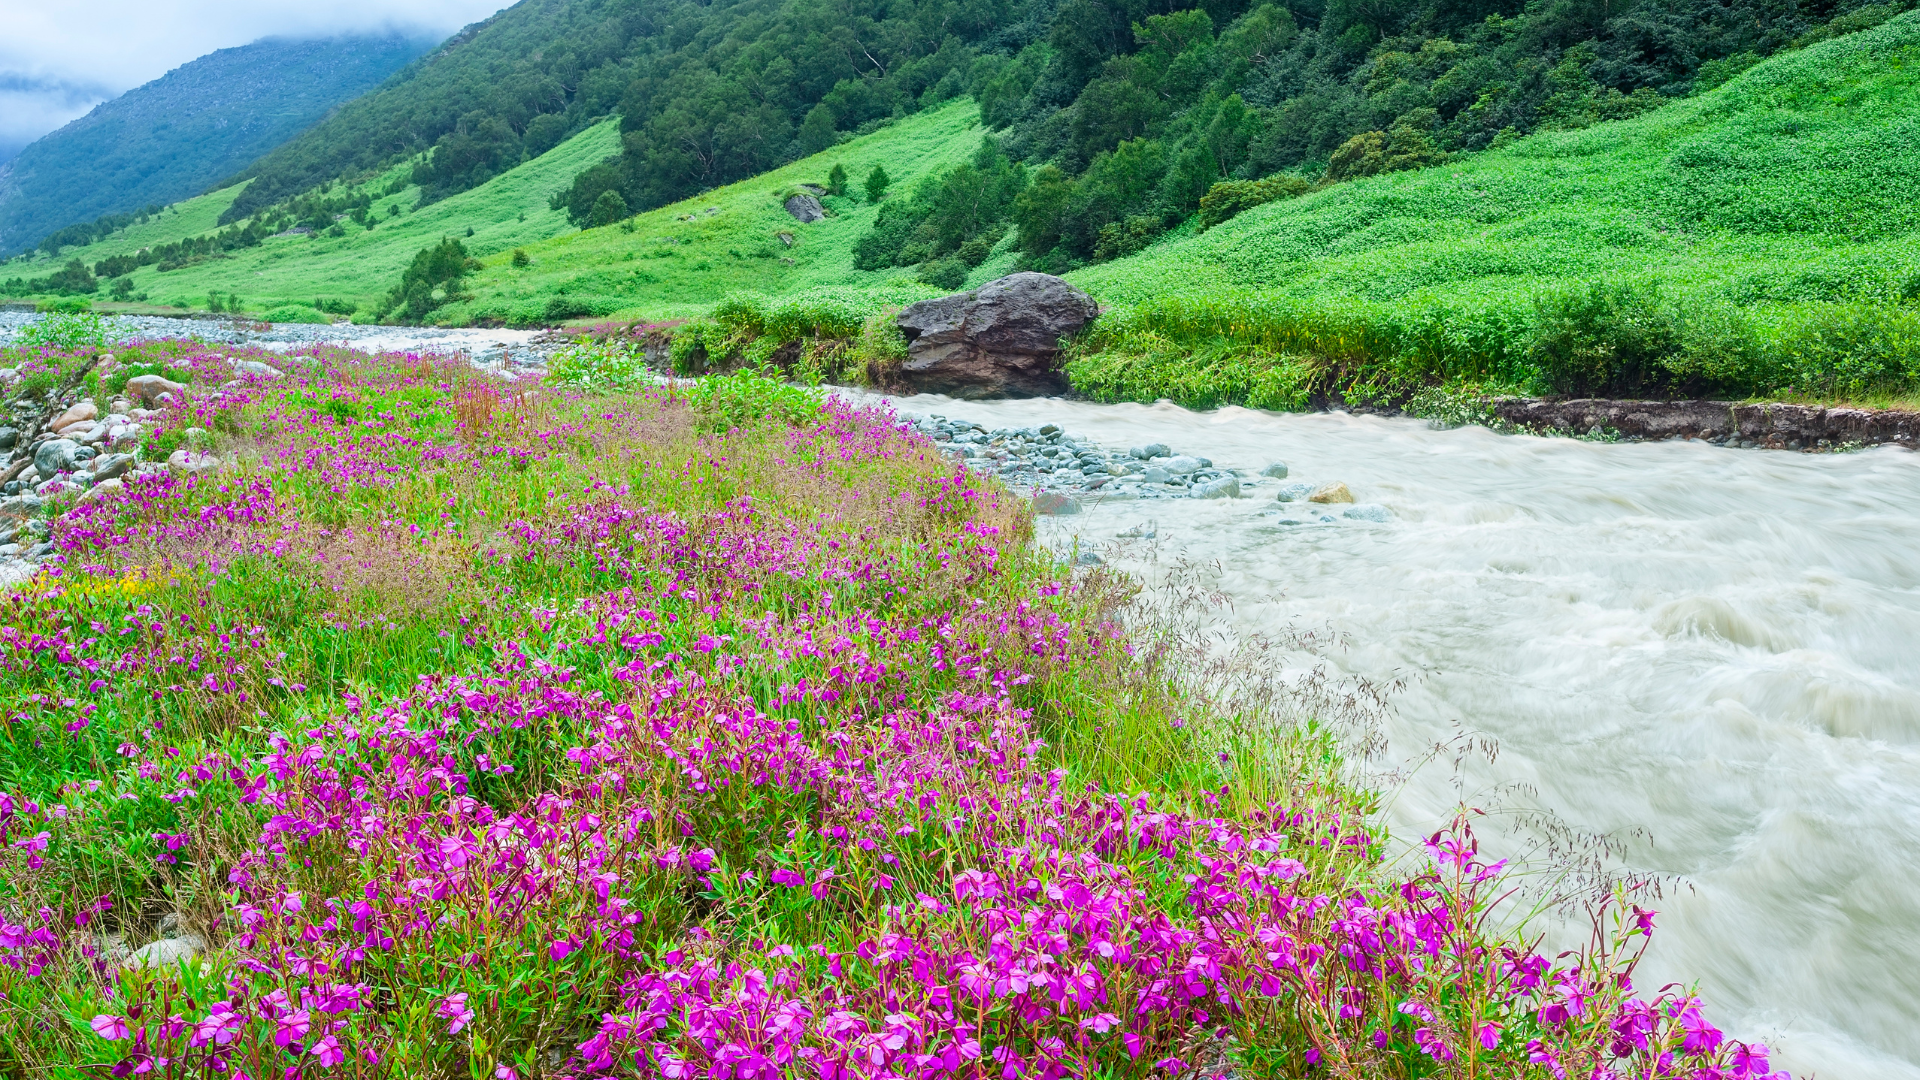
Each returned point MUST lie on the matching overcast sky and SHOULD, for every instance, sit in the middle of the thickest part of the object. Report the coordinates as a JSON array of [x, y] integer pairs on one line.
[[60, 58]]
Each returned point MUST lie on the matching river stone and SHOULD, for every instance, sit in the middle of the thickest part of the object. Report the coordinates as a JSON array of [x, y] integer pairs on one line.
[[1335, 492], [1182, 465], [1277, 470], [1149, 451], [1294, 492], [1000, 340], [167, 951], [255, 367], [1156, 474], [1055, 504], [806, 209], [111, 466], [101, 489], [9, 437], [84, 411], [55, 456], [148, 388], [1368, 512], [1227, 487]]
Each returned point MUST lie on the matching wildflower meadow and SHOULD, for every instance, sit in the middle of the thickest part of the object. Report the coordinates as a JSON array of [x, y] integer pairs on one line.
[[460, 727]]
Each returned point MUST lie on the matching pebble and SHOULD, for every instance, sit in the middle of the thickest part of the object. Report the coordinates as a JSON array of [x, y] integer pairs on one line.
[[1277, 470], [1335, 492]]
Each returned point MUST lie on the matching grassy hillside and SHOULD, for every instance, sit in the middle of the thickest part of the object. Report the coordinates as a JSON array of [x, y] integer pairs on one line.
[[680, 259], [361, 265], [1758, 237]]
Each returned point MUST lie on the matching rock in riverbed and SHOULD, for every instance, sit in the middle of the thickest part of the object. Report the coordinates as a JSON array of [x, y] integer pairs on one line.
[[1000, 340]]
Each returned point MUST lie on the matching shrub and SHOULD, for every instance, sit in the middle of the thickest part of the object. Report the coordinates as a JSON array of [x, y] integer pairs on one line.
[[837, 179], [745, 397], [567, 307], [294, 313], [520, 259], [1371, 153], [602, 364], [947, 273], [607, 209], [66, 331], [877, 184], [1606, 337], [1229, 197]]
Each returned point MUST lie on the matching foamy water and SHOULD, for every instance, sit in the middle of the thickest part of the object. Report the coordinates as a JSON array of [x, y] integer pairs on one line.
[[1719, 646]]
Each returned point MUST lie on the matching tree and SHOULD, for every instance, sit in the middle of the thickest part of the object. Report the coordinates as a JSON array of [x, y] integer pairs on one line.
[[432, 279], [837, 180], [520, 259], [816, 132], [877, 183], [607, 209]]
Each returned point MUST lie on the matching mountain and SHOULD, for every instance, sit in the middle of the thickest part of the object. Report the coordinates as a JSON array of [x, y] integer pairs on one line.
[[176, 136], [716, 92]]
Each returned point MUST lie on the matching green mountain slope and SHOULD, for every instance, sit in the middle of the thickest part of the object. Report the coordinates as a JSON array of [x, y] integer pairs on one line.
[[360, 265], [728, 87], [679, 259], [1758, 237], [173, 137]]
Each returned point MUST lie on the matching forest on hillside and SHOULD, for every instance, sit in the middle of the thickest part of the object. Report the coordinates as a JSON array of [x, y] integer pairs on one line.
[[1131, 118]]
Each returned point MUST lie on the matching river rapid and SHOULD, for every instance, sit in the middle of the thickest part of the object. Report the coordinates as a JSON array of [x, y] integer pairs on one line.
[[1718, 647]]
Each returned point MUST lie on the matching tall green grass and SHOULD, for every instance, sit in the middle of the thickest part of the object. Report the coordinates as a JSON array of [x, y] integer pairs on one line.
[[1755, 239]]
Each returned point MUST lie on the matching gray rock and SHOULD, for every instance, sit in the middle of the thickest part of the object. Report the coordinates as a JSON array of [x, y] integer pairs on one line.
[[1294, 492], [1277, 470], [1183, 465], [1226, 487], [1368, 512], [1151, 450], [1156, 474], [256, 368], [40, 550], [112, 465], [1001, 340], [103, 488], [173, 950], [806, 209], [55, 456], [1055, 504], [9, 437], [9, 551]]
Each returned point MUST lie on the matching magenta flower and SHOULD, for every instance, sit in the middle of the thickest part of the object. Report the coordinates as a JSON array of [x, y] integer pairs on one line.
[[109, 1027]]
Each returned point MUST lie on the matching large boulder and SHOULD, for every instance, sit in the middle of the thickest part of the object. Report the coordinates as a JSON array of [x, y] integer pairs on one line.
[[148, 388], [806, 209], [1000, 340]]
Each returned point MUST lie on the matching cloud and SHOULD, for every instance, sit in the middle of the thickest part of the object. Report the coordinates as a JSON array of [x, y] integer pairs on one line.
[[58, 60]]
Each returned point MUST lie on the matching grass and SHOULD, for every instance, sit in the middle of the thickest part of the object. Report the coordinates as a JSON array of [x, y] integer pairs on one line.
[[1770, 222], [497, 729], [509, 211], [680, 260], [664, 264]]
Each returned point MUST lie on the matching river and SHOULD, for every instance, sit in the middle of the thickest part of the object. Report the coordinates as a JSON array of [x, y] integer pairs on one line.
[[1718, 647]]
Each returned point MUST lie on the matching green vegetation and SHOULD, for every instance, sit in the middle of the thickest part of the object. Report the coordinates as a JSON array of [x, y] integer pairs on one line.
[[708, 94], [352, 262], [1755, 239], [176, 136]]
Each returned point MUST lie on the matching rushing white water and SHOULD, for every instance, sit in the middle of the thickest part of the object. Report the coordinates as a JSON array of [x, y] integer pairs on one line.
[[1719, 646]]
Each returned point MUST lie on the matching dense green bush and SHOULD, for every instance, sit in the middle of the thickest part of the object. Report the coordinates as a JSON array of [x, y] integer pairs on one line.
[[1229, 197]]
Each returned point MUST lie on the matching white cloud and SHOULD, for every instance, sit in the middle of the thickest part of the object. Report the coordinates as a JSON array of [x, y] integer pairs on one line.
[[58, 58]]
